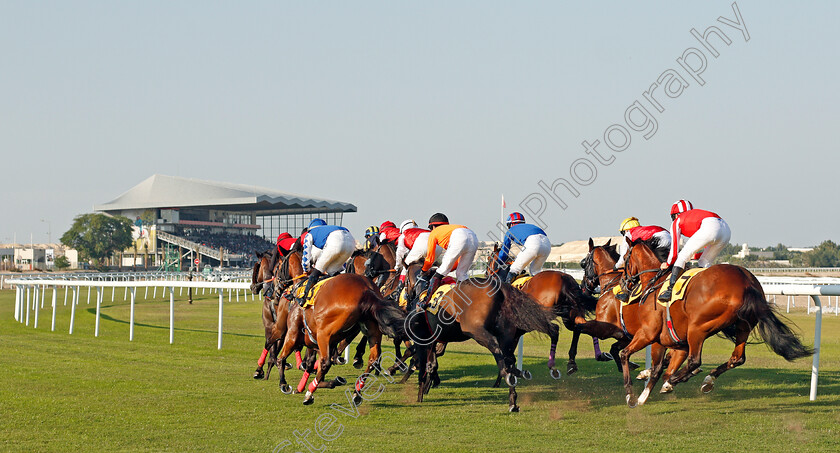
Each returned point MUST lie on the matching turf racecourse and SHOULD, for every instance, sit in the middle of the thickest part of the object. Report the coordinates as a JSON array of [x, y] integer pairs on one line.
[[63, 393]]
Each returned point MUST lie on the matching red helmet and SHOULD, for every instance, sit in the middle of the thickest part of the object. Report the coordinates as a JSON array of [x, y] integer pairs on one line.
[[387, 224], [515, 218], [681, 206], [283, 236]]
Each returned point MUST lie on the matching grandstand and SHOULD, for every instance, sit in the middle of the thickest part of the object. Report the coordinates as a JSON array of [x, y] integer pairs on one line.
[[180, 219]]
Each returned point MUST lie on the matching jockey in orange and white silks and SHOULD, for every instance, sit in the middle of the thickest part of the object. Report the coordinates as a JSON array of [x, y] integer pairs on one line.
[[659, 238], [535, 247], [460, 244], [325, 250], [705, 231]]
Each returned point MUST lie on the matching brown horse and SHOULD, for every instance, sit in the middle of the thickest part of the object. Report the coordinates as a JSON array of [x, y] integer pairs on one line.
[[273, 275], [343, 303], [559, 292], [722, 299], [495, 315]]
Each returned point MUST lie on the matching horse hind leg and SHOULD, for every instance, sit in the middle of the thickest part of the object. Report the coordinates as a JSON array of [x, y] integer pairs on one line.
[[660, 361], [739, 356]]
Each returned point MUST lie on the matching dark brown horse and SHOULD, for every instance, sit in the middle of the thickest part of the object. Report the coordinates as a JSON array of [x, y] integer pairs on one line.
[[722, 299], [495, 315], [342, 304], [273, 275], [559, 292]]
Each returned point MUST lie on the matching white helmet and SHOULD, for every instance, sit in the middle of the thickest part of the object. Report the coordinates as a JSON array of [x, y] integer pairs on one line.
[[407, 224]]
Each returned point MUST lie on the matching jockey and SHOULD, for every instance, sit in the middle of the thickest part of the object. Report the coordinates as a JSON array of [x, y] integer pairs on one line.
[[389, 232], [631, 229], [704, 229], [460, 244], [535, 243], [371, 238], [285, 242], [411, 246], [325, 250]]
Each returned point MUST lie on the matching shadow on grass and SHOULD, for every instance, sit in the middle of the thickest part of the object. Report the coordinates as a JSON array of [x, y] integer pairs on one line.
[[107, 317]]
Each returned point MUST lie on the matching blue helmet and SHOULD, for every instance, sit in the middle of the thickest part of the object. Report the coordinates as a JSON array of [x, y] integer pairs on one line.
[[315, 223]]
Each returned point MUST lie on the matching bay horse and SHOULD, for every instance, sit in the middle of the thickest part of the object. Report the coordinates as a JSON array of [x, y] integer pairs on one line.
[[724, 299], [342, 304], [559, 292], [494, 314], [272, 276]]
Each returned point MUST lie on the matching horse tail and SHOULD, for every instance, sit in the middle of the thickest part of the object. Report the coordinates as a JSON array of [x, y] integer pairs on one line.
[[390, 318], [575, 297], [525, 313], [775, 333]]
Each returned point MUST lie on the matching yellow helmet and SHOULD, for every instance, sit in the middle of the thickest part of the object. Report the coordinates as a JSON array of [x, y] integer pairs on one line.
[[629, 222]]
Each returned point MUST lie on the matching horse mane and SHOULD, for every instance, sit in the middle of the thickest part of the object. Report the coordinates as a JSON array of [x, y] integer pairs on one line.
[[357, 252], [656, 247], [612, 251]]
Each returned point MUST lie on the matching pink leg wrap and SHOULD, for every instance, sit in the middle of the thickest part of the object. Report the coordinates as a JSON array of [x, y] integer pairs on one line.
[[302, 384], [261, 361], [313, 385], [551, 353], [360, 384], [317, 365], [298, 360]]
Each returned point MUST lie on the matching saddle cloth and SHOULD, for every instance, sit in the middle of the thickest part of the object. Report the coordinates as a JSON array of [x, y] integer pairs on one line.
[[437, 297], [310, 301], [521, 281]]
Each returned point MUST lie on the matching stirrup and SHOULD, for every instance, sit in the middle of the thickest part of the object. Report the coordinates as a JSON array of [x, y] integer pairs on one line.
[[623, 296], [665, 296]]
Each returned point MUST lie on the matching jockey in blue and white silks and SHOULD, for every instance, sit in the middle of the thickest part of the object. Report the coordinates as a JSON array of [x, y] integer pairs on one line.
[[533, 240], [325, 250]]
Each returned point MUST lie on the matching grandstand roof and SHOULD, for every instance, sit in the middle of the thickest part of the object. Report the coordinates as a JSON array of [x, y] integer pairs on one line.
[[161, 191]]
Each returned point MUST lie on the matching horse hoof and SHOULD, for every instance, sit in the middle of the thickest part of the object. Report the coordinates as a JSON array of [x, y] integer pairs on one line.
[[696, 372], [555, 373], [339, 381], [572, 368], [604, 357], [357, 364], [632, 401], [513, 408], [341, 360], [526, 375], [286, 389], [308, 401], [708, 384], [632, 365], [644, 375], [511, 380], [288, 366], [259, 374], [387, 372], [357, 400], [667, 388]]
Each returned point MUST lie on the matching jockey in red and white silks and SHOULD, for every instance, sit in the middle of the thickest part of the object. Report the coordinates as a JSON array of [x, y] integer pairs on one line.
[[631, 229], [705, 231]]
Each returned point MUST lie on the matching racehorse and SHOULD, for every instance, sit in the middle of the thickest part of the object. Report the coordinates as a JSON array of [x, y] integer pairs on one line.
[[723, 298], [559, 292], [342, 304], [495, 315], [273, 276]]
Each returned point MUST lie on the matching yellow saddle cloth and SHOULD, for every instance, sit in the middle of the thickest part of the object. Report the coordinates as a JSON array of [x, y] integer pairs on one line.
[[437, 297], [677, 294], [680, 286], [521, 281], [403, 299], [310, 301]]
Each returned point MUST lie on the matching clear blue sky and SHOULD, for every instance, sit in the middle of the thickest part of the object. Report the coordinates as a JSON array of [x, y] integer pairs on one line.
[[408, 109]]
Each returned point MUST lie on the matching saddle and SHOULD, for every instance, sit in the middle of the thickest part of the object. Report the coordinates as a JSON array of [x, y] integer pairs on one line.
[[298, 288], [677, 294], [437, 297]]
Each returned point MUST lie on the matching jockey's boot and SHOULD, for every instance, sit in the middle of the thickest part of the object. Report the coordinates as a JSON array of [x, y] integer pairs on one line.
[[310, 282], [434, 284], [675, 274], [510, 276], [623, 296]]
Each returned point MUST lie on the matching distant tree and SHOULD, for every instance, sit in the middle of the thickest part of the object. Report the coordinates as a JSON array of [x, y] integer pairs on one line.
[[826, 254], [780, 252], [62, 263], [148, 217], [727, 252], [97, 236]]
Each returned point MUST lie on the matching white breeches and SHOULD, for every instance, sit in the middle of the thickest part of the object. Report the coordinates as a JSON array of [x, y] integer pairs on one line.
[[713, 235], [535, 251], [462, 247], [337, 250]]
